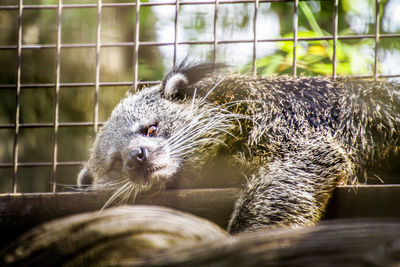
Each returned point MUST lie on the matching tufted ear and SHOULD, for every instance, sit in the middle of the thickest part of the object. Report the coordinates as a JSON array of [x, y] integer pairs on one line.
[[177, 82]]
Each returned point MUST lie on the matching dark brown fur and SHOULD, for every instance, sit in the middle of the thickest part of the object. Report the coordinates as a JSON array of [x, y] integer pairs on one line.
[[292, 139]]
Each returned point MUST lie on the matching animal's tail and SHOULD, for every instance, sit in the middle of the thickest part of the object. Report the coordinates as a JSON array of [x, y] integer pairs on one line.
[[338, 243], [155, 236]]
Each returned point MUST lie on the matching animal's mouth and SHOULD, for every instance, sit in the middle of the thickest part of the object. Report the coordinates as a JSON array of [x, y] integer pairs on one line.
[[150, 175]]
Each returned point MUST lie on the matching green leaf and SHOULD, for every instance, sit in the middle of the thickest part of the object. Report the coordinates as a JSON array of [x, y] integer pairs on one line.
[[311, 19]]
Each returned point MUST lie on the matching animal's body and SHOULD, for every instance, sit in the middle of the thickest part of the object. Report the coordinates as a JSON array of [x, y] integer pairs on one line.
[[292, 139]]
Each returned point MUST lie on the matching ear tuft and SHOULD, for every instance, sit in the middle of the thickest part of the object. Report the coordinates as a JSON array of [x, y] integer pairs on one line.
[[176, 83], [85, 178]]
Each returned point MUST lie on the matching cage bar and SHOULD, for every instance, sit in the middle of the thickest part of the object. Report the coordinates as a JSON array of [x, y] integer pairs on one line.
[[56, 96], [254, 68], [158, 3], [176, 29], [43, 164], [377, 24], [136, 47], [49, 125], [77, 84], [170, 3], [335, 37], [97, 78], [215, 31], [17, 99], [295, 37], [147, 43]]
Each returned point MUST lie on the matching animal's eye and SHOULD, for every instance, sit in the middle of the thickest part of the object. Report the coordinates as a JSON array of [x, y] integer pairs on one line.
[[151, 130]]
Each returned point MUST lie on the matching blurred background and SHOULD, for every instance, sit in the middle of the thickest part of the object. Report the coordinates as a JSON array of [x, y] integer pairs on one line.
[[204, 31]]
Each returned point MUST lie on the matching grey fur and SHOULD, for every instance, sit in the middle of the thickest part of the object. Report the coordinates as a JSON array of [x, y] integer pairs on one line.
[[294, 139]]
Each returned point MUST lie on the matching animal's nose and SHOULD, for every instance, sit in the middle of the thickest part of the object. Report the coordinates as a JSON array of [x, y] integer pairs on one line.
[[136, 157]]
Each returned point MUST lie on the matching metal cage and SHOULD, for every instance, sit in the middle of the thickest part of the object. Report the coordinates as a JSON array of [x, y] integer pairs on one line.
[[12, 165]]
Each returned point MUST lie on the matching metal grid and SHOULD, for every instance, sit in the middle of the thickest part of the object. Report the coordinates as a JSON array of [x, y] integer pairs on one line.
[[98, 45]]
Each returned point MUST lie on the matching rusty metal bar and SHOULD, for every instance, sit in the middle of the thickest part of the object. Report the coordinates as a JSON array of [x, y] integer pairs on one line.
[[97, 78], [83, 84], [56, 96], [17, 100], [254, 68], [49, 124], [42, 164], [129, 83], [335, 37], [377, 24], [129, 44], [176, 29], [122, 5], [215, 31], [136, 47], [295, 38]]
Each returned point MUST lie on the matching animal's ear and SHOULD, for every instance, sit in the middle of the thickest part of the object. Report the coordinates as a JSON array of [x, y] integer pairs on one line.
[[85, 178], [176, 84]]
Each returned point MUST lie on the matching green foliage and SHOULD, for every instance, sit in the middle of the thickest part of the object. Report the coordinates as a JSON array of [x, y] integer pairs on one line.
[[316, 57]]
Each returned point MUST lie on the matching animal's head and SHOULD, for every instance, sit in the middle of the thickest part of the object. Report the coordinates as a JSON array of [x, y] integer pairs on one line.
[[155, 133]]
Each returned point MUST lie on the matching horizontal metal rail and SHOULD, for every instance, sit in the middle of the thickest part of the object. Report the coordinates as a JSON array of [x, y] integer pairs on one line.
[[166, 3], [211, 42], [43, 164], [77, 84]]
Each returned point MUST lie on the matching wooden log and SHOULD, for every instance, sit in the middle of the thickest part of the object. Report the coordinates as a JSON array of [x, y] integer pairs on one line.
[[19, 212], [336, 243], [158, 236], [104, 238], [362, 201]]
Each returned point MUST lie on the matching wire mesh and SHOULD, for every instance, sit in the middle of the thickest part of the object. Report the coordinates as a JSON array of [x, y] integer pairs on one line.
[[15, 164]]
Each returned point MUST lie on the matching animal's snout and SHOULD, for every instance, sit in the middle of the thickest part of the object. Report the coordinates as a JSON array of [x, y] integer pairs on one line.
[[137, 157]]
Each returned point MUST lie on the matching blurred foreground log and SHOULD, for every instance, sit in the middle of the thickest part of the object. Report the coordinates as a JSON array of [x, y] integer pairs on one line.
[[20, 212], [156, 236], [337, 243], [103, 238]]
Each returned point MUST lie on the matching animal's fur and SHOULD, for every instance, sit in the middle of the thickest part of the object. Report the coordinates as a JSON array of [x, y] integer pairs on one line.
[[294, 139], [157, 236]]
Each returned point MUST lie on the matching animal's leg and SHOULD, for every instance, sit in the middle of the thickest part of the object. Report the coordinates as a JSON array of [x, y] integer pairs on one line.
[[294, 189]]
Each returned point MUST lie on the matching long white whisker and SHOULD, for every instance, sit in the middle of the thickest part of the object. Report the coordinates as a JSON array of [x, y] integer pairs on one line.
[[125, 194], [212, 89], [191, 147], [136, 191], [208, 127], [194, 97], [129, 193], [194, 136], [115, 195]]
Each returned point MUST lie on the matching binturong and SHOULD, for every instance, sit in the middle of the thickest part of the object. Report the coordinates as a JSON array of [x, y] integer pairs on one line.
[[291, 140]]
